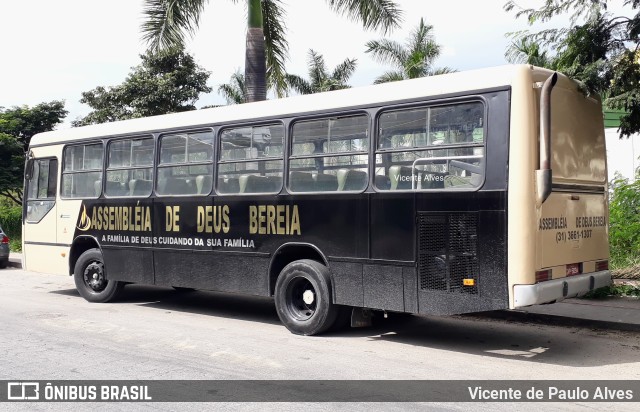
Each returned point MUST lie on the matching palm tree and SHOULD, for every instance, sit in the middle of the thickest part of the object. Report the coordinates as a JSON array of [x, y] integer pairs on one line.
[[524, 50], [413, 59], [320, 80], [167, 22], [235, 91]]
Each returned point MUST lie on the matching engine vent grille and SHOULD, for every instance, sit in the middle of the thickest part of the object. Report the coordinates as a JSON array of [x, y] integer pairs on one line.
[[447, 251]]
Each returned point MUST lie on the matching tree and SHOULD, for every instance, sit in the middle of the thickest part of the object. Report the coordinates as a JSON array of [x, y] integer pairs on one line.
[[234, 92], [413, 59], [165, 82], [320, 80], [17, 126], [599, 49], [24, 122], [11, 171], [167, 22]]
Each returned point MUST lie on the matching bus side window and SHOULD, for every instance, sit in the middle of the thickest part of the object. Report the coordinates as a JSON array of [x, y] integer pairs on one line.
[[129, 167], [186, 164], [82, 171], [251, 160], [329, 155], [427, 148]]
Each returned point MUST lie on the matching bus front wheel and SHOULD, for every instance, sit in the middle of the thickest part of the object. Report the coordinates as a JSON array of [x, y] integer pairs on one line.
[[90, 278], [303, 298]]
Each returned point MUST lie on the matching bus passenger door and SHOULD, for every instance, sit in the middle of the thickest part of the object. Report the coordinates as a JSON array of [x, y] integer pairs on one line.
[[41, 251]]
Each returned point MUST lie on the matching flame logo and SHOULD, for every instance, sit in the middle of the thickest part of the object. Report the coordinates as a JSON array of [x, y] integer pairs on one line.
[[85, 222]]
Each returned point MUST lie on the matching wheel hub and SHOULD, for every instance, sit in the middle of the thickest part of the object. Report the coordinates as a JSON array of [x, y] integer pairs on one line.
[[308, 297], [301, 299], [94, 276]]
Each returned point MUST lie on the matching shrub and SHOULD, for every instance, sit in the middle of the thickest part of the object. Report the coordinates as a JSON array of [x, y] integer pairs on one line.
[[624, 223]]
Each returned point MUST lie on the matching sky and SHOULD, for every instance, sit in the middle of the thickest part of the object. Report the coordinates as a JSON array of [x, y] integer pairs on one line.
[[55, 50]]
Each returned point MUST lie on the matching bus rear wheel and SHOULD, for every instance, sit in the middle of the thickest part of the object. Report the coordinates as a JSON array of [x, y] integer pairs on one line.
[[90, 278], [303, 298]]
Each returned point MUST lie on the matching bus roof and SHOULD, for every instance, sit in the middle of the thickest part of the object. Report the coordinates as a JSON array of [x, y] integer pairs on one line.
[[452, 83]]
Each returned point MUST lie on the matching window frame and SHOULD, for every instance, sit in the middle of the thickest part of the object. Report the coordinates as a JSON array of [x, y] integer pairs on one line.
[[83, 171], [218, 154], [107, 169], [159, 165], [428, 105], [329, 116]]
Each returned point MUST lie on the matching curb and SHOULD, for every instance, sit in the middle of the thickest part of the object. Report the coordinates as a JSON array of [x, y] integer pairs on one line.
[[556, 320]]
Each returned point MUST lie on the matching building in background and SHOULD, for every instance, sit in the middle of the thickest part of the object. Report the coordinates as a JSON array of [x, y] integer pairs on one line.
[[622, 154]]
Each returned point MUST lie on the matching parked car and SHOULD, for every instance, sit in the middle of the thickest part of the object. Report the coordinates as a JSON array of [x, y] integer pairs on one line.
[[4, 249]]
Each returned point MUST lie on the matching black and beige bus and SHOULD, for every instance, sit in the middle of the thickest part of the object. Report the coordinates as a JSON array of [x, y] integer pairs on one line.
[[459, 193]]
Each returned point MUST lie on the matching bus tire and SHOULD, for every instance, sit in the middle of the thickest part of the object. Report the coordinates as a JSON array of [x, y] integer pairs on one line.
[[89, 276], [303, 298]]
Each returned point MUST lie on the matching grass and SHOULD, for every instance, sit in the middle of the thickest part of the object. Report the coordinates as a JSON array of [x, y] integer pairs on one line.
[[627, 268], [614, 290], [623, 259]]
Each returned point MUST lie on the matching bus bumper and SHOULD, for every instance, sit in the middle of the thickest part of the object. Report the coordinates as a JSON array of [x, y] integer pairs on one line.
[[559, 289]]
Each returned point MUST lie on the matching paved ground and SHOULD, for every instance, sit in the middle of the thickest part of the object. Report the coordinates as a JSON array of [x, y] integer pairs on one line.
[[15, 260], [47, 331], [611, 313]]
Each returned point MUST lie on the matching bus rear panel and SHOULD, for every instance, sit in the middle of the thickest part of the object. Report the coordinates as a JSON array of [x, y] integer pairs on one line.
[[558, 245]]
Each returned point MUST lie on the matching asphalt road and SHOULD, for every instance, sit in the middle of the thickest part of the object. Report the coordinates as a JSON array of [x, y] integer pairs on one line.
[[47, 331]]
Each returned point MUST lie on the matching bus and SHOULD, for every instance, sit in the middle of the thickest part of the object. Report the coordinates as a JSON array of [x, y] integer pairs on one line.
[[466, 192]]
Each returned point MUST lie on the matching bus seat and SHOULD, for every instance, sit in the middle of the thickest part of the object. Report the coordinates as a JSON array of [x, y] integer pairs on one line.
[[176, 186], [400, 177], [139, 187], [382, 182], [476, 179], [79, 188], [432, 180], [301, 182], [349, 179], [463, 182], [274, 183], [187, 187], [229, 185], [253, 184], [326, 182], [203, 183], [115, 188]]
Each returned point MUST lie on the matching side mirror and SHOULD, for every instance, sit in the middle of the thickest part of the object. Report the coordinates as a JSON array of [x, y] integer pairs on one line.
[[28, 169]]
